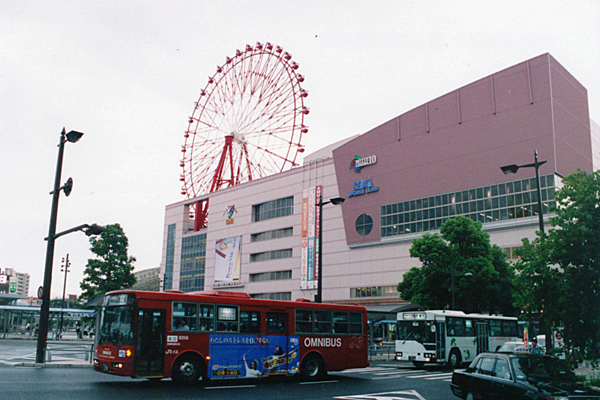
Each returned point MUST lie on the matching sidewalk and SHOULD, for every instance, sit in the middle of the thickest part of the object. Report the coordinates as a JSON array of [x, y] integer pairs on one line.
[[18, 350]]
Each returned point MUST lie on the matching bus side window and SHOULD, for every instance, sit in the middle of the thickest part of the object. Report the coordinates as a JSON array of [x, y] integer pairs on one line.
[[304, 320], [340, 322], [227, 319], [207, 318], [185, 316], [356, 323], [276, 322], [249, 322], [322, 321]]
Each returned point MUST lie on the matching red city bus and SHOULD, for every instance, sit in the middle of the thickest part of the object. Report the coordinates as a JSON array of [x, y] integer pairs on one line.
[[215, 335]]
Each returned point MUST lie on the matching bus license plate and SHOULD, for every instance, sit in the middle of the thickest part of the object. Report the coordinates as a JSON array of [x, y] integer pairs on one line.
[[412, 358]]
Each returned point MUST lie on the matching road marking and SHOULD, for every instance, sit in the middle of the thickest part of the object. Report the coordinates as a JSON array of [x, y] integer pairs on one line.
[[386, 396], [440, 376], [230, 387], [316, 382]]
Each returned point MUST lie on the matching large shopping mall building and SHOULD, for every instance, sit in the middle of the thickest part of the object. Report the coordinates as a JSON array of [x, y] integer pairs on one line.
[[399, 180]]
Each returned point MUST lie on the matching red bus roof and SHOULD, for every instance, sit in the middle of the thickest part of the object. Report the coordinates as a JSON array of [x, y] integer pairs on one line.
[[226, 297]]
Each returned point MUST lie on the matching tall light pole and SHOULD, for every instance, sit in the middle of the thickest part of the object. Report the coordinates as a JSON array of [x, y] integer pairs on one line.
[[72, 137], [512, 169], [335, 201]]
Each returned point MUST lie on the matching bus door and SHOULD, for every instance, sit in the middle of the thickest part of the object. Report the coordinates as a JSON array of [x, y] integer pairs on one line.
[[149, 355], [482, 337], [277, 333], [440, 341]]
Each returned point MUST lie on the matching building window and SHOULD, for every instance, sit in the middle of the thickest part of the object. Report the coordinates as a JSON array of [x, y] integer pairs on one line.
[[274, 234], [373, 291], [170, 257], [504, 201], [273, 209], [271, 276], [271, 255], [511, 253], [273, 296], [193, 257], [364, 224]]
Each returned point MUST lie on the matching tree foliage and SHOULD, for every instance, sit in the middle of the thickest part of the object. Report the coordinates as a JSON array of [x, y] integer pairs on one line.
[[112, 269], [483, 278]]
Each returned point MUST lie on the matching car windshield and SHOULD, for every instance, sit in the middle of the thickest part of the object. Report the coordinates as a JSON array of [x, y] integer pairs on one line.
[[542, 369], [420, 331]]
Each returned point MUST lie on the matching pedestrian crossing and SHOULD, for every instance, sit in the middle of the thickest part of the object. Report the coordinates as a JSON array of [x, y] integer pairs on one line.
[[382, 373]]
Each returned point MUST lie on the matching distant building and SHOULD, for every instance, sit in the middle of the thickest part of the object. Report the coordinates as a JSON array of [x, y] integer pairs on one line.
[[14, 282], [147, 280]]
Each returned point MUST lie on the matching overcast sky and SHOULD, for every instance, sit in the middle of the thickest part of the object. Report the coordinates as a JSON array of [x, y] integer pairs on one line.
[[127, 74]]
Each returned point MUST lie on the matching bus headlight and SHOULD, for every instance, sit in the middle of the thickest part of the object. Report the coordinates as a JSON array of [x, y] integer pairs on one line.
[[399, 356], [117, 365]]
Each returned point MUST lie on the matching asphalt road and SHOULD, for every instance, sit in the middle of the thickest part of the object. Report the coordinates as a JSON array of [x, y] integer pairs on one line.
[[384, 382]]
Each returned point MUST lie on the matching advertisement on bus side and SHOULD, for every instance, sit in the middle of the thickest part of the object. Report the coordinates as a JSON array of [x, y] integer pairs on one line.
[[239, 356]]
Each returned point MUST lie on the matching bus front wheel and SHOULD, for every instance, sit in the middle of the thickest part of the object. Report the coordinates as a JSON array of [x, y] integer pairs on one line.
[[187, 369], [313, 367]]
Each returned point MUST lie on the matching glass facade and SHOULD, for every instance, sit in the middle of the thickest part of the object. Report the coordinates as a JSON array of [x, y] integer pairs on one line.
[[193, 260], [170, 258], [273, 209], [374, 291], [274, 234], [501, 202]]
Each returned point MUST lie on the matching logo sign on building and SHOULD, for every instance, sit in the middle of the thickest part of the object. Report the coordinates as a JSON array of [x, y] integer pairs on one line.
[[3, 279], [229, 214], [362, 187], [308, 273], [228, 259], [358, 162]]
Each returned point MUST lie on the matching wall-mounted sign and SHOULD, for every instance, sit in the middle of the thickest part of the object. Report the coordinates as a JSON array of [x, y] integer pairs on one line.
[[359, 163], [362, 187], [229, 214]]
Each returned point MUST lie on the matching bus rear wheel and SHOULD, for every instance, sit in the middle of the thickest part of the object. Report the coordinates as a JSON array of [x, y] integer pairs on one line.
[[187, 369], [313, 368], [454, 360]]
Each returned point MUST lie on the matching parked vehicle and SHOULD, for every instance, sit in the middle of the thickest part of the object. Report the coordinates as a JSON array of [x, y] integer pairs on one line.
[[511, 347], [519, 376]]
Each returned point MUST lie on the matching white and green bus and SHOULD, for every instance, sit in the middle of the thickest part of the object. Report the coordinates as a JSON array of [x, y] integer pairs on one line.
[[451, 337]]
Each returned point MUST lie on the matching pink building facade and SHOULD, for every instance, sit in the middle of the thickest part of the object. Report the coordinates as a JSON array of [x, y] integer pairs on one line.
[[399, 180]]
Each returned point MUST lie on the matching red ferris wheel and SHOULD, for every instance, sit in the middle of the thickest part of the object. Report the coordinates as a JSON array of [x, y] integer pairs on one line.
[[247, 124]]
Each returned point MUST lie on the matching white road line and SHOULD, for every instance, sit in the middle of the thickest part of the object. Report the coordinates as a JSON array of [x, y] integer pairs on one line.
[[316, 382], [230, 387], [441, 376]]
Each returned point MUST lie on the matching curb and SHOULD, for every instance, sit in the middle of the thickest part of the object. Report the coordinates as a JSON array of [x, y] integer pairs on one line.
[[49, 365]]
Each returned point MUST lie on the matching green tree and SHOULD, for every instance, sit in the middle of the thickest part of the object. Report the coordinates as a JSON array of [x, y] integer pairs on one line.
[[488, 286], [538, 284], [575, 249], [112, 269]]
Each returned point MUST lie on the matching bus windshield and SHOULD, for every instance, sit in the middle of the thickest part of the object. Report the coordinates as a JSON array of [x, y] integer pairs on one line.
[[116, 322], [420, 331]]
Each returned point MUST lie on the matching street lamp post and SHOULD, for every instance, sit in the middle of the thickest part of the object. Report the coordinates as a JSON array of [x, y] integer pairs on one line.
[[512, 169], [72, 137], [452, 289], [335, 201]]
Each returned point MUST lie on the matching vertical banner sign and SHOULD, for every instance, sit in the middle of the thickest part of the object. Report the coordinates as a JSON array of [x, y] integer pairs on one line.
[[304, 249], [311, 238], [317, 232], [227, 259]]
